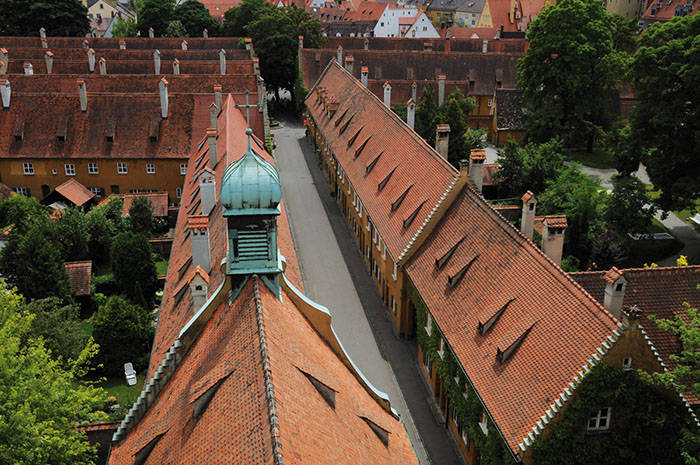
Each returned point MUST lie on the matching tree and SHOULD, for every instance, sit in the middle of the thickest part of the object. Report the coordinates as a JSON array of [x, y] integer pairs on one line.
[[427, 115], [101, 230], [124, 332], [665, 74], [125, 28], [195, 17], [41, 401], [531, 167], [72, 233], [17, 209], [34, 265], [454, 111], [133, 266], [237, 18], [569, 72], [141, 216], [175, 29], [59, 327], [628, 209], [156, 14], [58, 17]]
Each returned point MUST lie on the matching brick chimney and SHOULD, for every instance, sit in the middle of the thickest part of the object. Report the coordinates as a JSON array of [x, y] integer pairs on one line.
[[349, 63], [44, 43], [42, 33], [414, 92], [82, 93], [199, 241], [222, 61], [205, 33], [553, 237], [213, 116], [5, 59], [176, 66], [156, 61], [163, 88], [183, 44], [103, 66], [615, 285], [122, 44], [477, 157], [28, 68], [5, 92], [213, 156], [527, 220], [411, 113], [218, 97], [387, 94], [151, 33], [442, 139], [91, 59], [48, 59], [441, 89], [207, 191], [199, 287], [364, 75], [485, 47]]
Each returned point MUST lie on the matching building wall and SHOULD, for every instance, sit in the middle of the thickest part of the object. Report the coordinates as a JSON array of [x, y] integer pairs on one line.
[[423, 28], [485, 18], [390, 20], [167, 175], [626, 8]]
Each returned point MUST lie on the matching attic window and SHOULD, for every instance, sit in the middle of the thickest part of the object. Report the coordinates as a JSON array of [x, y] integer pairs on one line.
[[62, 130], [339, 120], [111, 129], [353, 138], [373, 162], [359, 149], [183, 268], [141, 456], [181, 293], [326, 392], [347, 123], [397, 202], [457, 277], [483, 328], [407, 222], [382, 184], [19, 130], [199, 147], [154, 130], [509, 350], [440, 262], [203, 401], [381, 433]]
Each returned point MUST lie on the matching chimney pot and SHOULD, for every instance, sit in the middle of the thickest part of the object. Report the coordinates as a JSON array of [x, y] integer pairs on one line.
[[387, 94], [176, 66], [44, 43], [156, 61], [184, 45], [222, 61], [151, 33], [5, 59], [485, 47], [5, 92], [527, 219], [28, 69], [366, 43], [42, 33], [163, 87], [615, 285], [199, 241], [48, 59], [553, 237], [349, 63], [205, 33], [213, 156], [414, 92], [411, 113], [122, 44], [364, 75], [86, 45], [477, 157], [248, 43], [82, 92], [91, 59], [441, 89], [218, 97], [198, 289], [103, 66], [340, 55], [207, 192], [213, 116], [442, 139]]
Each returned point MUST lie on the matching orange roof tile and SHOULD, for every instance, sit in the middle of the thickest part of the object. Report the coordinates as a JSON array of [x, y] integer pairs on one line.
[[197, 222], [80, 275], [378, 130], [570, 325], [555, 221], [199, 271], [159, 202], [478, 154], [75, 192], [527, 196]]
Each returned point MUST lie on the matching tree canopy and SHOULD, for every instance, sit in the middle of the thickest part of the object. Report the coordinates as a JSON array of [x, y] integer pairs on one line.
[[531, 167], [58, 17], [141, 216], [195, 17], [665, 74], [133, 267], [569, 72], [59, 326], [155, 14], [17, 209]]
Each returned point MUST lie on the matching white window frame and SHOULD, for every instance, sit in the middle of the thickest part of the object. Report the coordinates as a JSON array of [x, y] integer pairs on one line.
[[603, 415], [93, 168], [122, 168], [22, 191], [96, 190], [69, 169], [627, 363], [490, 103], [429, 325], [369, 222], [441, 347], [28, 169], [384, 251], [484, 424], [150, 168], [183, 169], [396, 267], [178, 192]]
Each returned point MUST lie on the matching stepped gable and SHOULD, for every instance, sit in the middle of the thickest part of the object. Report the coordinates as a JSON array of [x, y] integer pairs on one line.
[[405, 158], [524, 362], [176, 308], [658, 291]]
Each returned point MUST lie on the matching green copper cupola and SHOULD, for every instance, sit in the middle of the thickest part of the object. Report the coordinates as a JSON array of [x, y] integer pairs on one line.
[[251, 195]]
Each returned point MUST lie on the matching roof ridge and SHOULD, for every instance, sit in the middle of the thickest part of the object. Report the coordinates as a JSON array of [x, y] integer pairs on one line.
[[269, 388]]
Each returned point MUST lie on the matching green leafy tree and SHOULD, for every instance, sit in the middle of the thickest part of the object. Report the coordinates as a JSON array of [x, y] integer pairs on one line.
[[427, 114], [32, 263], [175, 29], [454, 111], [59, 326], [195, 17], [141, 215], [156, 14], [665, 74], [237, 18], [531, 167], [629, 209], [570, 71], [124, 332], [475, 139], [113, 211], [401, 110], [17, 209], [582, 200], [133, 266], [73, 234], [125, 28], [101, 230], [58, 17], [41, 401]]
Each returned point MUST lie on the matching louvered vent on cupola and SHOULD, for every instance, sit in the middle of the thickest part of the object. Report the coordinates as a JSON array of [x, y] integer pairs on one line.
[[250, 244]]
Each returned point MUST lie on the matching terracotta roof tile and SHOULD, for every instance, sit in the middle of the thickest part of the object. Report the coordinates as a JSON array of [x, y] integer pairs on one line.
[[555, 221], [80, 275], [570, 325], [159, 202], [75, 192]]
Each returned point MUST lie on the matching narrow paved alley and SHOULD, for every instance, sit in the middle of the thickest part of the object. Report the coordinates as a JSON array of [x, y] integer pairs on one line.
[[335, 275]]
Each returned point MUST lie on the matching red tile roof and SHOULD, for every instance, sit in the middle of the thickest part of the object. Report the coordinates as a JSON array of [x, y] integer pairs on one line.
[[159, 202], [666, 10], [555, 221], [75, 192], [80, 275], [569, 325], [377, 130], [5, 191]]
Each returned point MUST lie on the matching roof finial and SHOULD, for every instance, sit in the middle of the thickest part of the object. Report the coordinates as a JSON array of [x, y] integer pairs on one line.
[[247, 107]]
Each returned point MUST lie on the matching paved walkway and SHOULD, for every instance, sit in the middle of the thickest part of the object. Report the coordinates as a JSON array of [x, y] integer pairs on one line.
[[335, 275]]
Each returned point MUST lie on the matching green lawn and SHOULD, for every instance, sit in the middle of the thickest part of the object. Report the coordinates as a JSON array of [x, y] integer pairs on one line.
[[117, 387], [600, 159], [86, 328], [161, 267], [682, 214]]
